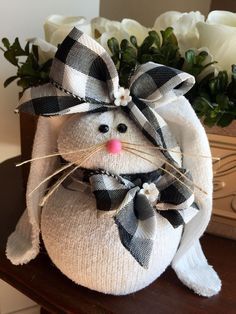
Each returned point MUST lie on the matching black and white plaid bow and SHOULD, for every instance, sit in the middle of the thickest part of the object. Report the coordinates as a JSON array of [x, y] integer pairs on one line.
[[84, 79], [135, 213]]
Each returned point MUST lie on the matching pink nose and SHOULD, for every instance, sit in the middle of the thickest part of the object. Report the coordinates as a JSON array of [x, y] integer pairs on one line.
[[114, 146]]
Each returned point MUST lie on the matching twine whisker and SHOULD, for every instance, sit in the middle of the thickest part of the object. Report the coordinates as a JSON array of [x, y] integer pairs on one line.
[[59, 182], [57, 154], [61, 169], [168, 172], [172, 166], [173, 151], [51, 176]]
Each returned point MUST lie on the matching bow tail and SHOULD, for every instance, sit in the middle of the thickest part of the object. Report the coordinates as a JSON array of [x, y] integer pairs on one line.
[[136, 221], [152, 126]]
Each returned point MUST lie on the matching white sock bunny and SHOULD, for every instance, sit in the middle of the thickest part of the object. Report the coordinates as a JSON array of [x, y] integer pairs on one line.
[[85, 243]]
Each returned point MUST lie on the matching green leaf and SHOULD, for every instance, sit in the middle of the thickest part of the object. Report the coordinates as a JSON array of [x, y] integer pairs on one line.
[[234, 71], [10, 80], [24, 83], [10, 56], [202, 104], [166, 34], [133, 41], [35, 52], [147, 43], [113, 45], [225, 120], [6, 43], [27, 48], [129, 56], [156, 38], [201, 57], [190, 56], [223, 101], [124, 44], [16, 47], [210, 122]]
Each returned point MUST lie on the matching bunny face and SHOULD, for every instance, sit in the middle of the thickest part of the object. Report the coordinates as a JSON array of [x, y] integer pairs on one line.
[[121, 143]]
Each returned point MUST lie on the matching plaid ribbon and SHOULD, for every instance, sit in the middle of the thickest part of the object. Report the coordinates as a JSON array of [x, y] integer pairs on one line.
[[135, 215], [84, 79]]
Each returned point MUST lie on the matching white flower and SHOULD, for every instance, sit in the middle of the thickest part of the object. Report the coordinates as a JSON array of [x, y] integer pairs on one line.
[[150, 191], [104, 29], [122, 96], [100, 25], [219, 35], [46, 50], [184, 25], [134, 28], [57, 27]]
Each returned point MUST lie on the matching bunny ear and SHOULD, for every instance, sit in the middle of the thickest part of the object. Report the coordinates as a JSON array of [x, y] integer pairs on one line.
[[84, 69], [23, 243], [153, 81], [189, 262]]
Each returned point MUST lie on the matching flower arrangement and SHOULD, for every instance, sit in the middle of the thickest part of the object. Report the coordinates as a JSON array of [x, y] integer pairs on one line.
[[203, 47]]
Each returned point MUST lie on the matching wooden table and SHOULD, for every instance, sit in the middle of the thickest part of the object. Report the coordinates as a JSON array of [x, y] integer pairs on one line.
[[42, 281]]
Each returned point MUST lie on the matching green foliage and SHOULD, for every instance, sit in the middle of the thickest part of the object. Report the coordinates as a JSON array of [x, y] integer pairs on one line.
[[29, 71], [213, 97], [129, 54]]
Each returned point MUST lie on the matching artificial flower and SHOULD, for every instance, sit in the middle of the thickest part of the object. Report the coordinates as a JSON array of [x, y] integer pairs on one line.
[[134, 28], [57, 27], [122, 97], [46, 50], [150, 191], [218, 33], [104, 29], [184, 25]]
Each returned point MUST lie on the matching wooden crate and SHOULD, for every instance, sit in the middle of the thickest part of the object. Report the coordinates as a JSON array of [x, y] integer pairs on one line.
[[223, 220]]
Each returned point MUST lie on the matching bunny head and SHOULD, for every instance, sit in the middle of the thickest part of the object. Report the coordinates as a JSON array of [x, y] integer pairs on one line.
[[151, 133], [112, 140]]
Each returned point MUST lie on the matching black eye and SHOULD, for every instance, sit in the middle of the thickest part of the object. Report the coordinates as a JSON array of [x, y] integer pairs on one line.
[[122, 128], [103, 128]]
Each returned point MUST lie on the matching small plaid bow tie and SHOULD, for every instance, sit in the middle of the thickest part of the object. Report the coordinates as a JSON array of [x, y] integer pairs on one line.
[[135, 214]]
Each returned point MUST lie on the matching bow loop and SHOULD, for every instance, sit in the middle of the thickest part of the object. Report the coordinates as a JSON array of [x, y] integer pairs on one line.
[[84, 69], [152, 81]]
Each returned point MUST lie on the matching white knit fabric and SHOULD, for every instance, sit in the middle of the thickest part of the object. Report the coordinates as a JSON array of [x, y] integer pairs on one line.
[[85, 246], [189, 262]]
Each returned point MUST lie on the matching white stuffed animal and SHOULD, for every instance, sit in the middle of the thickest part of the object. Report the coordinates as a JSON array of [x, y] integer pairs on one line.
[[124, 207]]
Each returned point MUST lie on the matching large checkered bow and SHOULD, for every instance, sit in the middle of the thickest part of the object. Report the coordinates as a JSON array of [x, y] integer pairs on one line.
[[84, 79], [137, 198]]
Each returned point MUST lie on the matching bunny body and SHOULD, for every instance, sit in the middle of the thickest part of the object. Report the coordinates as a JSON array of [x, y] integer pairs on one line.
[[85, 246], [84, 242]]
